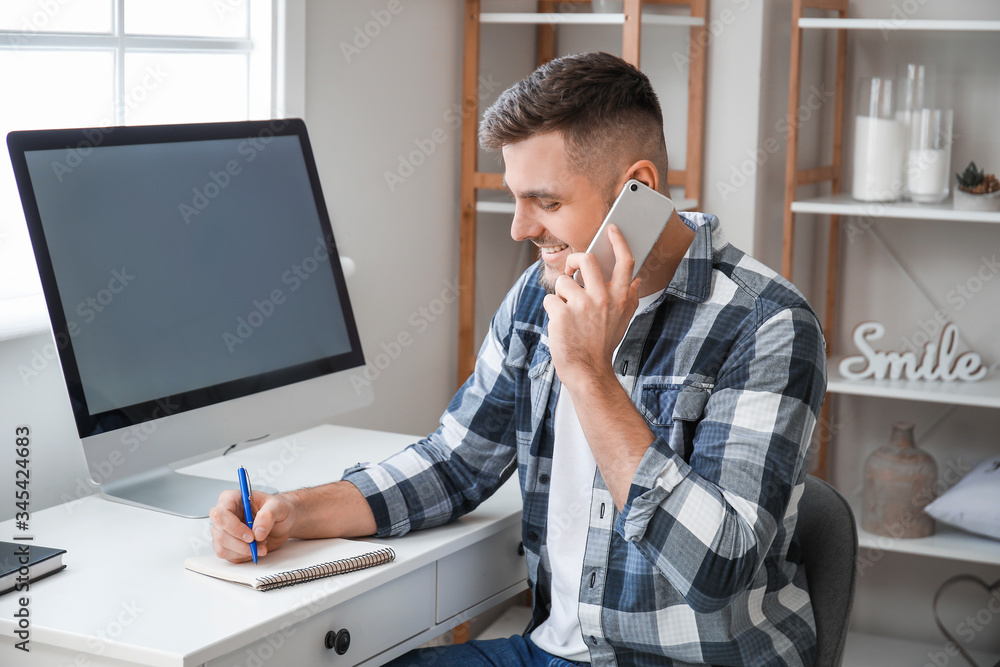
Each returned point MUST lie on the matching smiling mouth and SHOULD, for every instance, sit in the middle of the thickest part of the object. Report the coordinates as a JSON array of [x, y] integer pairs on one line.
[[552, 249]]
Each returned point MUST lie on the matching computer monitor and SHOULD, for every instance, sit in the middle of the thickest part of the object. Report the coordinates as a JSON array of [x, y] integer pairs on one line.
[[195, 292]]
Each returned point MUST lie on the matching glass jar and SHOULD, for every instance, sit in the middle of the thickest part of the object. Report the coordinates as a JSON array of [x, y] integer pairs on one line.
[[878, 142]]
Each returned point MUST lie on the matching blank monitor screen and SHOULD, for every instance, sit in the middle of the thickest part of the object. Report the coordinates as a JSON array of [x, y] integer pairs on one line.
[[189, 263]]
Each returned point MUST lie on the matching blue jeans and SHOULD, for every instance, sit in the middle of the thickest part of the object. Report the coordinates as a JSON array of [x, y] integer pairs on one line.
[[516, 650]]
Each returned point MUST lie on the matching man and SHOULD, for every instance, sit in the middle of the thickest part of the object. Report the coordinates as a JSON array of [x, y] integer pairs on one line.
[[659, 426]]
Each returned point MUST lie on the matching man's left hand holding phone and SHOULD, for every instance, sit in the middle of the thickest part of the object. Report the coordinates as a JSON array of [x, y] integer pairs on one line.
[[587, 323], [589, 313]]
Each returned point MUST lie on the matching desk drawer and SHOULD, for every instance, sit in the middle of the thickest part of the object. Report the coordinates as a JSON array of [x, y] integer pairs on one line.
[[377, 621], [472, 575]]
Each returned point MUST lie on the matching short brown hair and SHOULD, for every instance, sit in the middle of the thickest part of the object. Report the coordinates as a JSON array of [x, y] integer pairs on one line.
[[605, 108]]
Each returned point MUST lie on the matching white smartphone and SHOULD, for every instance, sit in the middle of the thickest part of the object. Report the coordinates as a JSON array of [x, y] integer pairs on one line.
[[641, 213]]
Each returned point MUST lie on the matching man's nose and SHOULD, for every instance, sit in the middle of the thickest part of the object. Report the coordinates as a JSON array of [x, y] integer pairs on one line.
[[522, 227]]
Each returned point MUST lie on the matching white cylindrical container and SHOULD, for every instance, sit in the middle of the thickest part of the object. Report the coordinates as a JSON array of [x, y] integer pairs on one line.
[[928, 164], [879, 143]]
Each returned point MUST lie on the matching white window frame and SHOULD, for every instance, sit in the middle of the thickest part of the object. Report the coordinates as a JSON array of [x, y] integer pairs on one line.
[[275, 46]]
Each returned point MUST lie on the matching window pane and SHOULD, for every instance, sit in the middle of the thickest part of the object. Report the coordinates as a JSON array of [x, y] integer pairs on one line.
[[196, 18], [56, 16], [184, 87], [44, 89]]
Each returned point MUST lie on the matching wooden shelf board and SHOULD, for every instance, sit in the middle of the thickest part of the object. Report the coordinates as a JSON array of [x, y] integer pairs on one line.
[[843, 204], [558, 18], [494, 203], [946, 542], [984, 393], [498, 202], [864, 650], [891, 24]]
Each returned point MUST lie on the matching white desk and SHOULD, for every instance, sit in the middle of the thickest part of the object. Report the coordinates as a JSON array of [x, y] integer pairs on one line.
[[126, 599]]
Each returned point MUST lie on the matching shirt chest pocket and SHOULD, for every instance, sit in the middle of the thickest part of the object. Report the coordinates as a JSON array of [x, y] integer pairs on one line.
[[665, 404], [527, 351]]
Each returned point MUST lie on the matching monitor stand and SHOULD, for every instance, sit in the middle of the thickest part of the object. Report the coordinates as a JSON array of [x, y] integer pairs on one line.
[[166, 490]]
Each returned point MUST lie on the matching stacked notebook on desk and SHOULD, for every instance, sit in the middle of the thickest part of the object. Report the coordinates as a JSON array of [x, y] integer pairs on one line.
[[295, 562], [40, 561]]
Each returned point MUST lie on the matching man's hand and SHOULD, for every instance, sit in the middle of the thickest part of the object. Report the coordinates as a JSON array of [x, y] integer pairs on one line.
[[587, 323], [272, 525], [338, 509], [585, 326]]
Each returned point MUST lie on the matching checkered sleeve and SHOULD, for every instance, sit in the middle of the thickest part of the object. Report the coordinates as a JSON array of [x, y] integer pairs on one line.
[[706, 525], [448, 473]]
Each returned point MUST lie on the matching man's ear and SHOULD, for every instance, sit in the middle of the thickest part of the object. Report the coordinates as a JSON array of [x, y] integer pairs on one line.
[[645, 172]]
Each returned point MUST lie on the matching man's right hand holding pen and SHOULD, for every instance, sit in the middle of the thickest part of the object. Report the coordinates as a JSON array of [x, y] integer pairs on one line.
[[231, 537], [332, 510]]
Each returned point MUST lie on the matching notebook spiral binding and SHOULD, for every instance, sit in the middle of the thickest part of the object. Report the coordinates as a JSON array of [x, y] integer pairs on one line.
[[341, 566]]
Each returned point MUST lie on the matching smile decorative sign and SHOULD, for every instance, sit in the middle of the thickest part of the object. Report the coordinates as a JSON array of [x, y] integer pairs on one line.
[[939, 361]]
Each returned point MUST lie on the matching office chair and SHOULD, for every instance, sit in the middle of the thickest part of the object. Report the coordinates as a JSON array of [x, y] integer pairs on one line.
[[828, 537]]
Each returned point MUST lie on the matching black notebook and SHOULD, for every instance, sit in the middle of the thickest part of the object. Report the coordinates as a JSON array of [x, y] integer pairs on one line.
[[295, 562], [40, 561]]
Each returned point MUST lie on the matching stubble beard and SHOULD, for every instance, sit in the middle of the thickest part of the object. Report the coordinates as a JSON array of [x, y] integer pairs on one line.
[[546, 280]]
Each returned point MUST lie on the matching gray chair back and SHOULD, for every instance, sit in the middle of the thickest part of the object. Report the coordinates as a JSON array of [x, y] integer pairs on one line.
[[827, 533]]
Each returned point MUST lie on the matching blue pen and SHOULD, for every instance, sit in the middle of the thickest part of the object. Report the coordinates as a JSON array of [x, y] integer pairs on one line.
[[247, 512]]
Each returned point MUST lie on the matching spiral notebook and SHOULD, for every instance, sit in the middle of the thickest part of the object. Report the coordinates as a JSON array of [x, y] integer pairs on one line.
[[297, 561]]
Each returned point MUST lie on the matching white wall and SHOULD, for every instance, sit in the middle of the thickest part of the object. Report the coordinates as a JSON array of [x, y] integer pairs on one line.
[[732, 117], [33, 394], [367, 111]]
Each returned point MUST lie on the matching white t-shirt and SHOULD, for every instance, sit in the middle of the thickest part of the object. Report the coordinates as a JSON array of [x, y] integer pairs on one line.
[[570, 491]]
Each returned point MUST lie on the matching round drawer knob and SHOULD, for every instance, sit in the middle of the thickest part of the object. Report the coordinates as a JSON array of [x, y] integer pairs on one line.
[[339, 641]]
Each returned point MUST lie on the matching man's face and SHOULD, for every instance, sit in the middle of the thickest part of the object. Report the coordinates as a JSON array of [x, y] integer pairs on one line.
[[556, 208]]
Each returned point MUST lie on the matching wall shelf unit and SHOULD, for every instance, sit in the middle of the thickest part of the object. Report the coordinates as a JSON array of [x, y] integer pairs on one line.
[[946, 543], [836, 203], [482, 192]]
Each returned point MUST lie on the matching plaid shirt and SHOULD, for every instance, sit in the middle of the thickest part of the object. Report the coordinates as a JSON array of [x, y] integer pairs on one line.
[[699, 567]]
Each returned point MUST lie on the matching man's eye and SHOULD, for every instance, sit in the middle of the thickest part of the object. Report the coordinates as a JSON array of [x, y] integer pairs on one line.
[[548, 206]]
